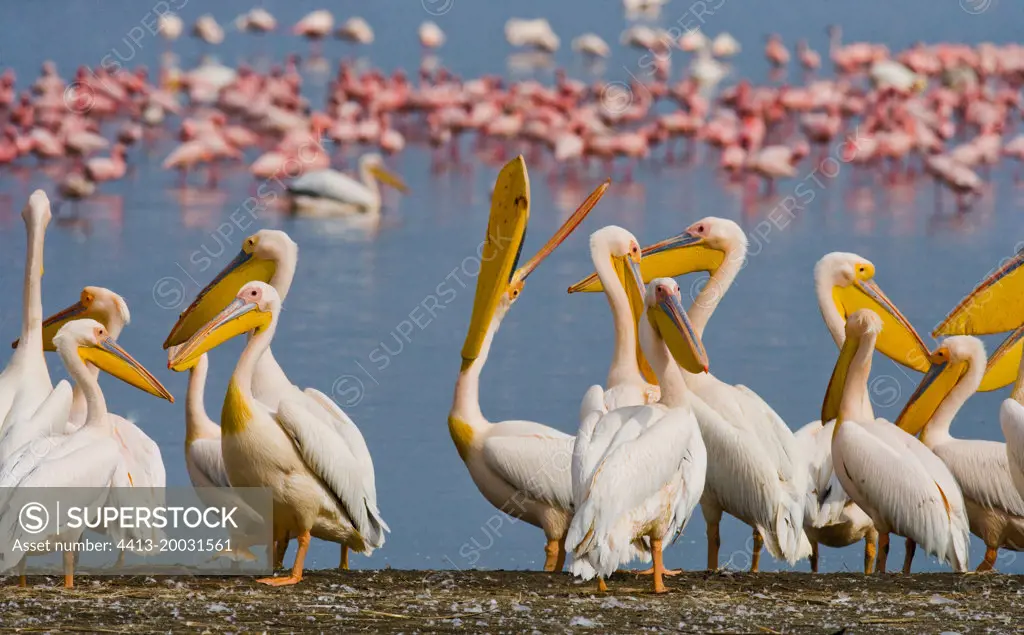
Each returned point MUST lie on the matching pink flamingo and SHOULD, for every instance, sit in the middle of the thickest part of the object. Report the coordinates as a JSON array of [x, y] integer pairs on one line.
[[99, 169], [775, 162], [776, 52], [809, 58]]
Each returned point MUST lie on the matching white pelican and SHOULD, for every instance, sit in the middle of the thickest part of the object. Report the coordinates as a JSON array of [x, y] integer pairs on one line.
[[141, 453], [892, 74], [256, 20], [25, 381], [892, 476], [535, 34], [591, 45], [521, 467], [724, 45], [318, 486], [755, 472], [170, 26], [355, 30], [271, 256], [1011, 419], [208, 30], [330, 193], [90, 456], [993, 306], [617, 256], [315, 25], [204, 461], [830, 517], [431, 36], [994, 507], [646, 482], [843, 283]]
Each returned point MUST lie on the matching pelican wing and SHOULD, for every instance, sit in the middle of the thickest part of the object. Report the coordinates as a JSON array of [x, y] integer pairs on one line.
[[328, 456], [889, 479], [982, 469], [50, 418], [592, 409], [1011, 417], [206, 464], [532, 458], [143, 459], [333, 185], [348, 430], [649, 450]]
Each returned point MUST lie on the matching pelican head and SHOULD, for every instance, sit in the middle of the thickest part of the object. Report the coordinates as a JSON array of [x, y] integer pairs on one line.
[[668, 318], [863, 327], [704, 246], [254, 308], [373, 164], [960, 358], [499, 282], [37, 212], [618, 244], [261, 255], [849, 280], [96, 303], [91, 341]]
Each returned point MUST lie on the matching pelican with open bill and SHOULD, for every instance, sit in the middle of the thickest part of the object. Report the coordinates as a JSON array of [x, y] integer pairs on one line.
[[521, 467], [995, 305]]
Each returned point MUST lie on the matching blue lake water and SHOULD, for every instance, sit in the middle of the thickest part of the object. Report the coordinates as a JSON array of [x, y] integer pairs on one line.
[[354, 325]]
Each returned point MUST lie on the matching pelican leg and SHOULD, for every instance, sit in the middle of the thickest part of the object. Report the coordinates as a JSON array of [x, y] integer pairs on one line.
[[22, 580], [908, 559], [989, 563], [551, 553], [713, 517], [300, 558], [755, 557], [814, 557], [883, 552], [277, 548], [601, 586], [659, 566], [69, 570], [869, 554], [560, 562], [343, 565]]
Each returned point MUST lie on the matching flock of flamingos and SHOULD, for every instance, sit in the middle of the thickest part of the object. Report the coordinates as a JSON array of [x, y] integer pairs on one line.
[[946, 110], [665, 434]]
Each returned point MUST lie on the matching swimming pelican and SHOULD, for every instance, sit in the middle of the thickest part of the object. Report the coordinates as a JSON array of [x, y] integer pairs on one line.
[[25, 381], [994, 507], [317, 484], [90, 456], [993, 306], [271, 256], [330, 193], [892, 476], [520, 467], [646, 483], [754, 472]]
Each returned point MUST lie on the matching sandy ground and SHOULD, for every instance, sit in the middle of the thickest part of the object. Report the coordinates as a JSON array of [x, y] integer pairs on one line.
[[499, 601]]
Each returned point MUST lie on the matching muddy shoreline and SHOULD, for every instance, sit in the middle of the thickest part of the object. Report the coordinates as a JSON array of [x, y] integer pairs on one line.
[[502, 601]]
